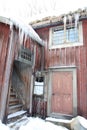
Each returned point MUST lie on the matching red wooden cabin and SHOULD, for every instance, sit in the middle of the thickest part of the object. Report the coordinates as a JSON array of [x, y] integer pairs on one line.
[[65, 71]]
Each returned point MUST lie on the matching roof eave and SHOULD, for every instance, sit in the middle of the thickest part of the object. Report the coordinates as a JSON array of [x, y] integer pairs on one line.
[[54, 23], [34, 37]]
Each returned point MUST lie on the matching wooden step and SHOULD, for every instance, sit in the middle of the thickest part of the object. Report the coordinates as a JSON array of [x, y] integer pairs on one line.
[[13, 100], [17, 115], [14, 103], [15, 108], [12, 94]]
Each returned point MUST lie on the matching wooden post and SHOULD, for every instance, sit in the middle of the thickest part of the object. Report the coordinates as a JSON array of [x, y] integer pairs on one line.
[[42, 58], [32, 78], [7, 75]]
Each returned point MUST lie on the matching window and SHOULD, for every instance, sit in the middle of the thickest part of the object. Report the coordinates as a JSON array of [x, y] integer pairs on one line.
[[65, 37], [39, 86]]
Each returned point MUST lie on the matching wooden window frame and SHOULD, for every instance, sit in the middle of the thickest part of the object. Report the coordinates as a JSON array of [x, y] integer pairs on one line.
[[66, 44]]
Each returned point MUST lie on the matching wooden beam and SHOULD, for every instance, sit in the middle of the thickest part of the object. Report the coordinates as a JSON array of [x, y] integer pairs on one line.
[[8, 69], [32, 79]]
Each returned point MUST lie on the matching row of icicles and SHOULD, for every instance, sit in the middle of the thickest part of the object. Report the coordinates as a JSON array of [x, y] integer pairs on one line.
[[70, 18]]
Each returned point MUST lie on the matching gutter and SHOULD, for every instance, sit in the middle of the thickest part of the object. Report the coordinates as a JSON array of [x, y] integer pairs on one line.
[[54, 23]]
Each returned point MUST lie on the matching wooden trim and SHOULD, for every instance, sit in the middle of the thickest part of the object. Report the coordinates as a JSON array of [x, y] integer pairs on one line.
[[32, 80], [65, 45]]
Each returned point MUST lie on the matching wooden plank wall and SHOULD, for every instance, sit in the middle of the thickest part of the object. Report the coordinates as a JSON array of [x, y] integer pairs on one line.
[[31, 44], [10, 39], [70, 56], [9, 46], [4, 31]]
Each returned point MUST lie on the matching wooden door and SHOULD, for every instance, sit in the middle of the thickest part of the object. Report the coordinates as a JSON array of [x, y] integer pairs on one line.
[[62, 92]]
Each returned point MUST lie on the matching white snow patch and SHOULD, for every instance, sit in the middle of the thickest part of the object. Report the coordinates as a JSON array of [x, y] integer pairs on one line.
[[3, 126], [58, 120], [78, 120], [39, 83], [39, 124], [19, 122], [82, 121], [38, 88], [32, 123], [16, 114]]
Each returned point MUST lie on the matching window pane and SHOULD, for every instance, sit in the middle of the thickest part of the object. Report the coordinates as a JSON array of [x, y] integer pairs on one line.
[[58, 36], [72, 35]]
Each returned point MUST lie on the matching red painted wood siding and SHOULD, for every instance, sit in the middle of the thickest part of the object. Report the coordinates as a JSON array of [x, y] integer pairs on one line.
[[5, 35], [4, 32], [70, 56]]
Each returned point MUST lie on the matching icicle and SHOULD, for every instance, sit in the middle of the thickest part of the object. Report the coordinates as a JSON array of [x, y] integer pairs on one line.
[[21, 36], [64, 20], [11, 25], [70, 20], [19, 33], [76, 19], [25, 38], [27, 29]]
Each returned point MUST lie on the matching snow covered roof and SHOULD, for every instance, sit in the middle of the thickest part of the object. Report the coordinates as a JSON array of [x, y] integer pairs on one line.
[[51, 20], [24, 28]]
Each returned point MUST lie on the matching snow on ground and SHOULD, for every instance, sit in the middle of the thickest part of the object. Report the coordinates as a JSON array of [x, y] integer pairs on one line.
[[39, 124], [33, 123], [82, 121], [58, 120], [3, 127]]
